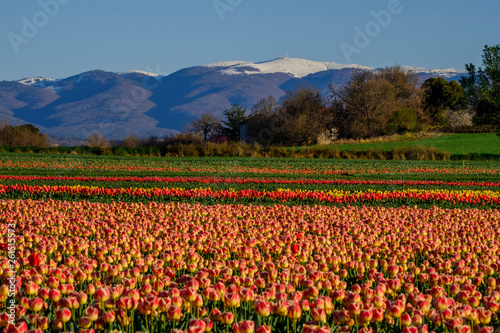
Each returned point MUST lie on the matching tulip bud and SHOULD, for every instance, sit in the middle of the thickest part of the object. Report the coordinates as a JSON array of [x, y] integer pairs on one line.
[[99, 324], [84, 322], [53, 282], [377, 315], [63, 315], [57, 325], [4, 290], [108, 316], [92, 313], [263, 329], [318, 314], [42, 323], [231, 300], [365, 316], [31, 288], [134, 293], [54, 295], [36, 304], [294, 311], [485, 316], [440, 303], [227, 318], [146, 289], [215, 315], [354, 309], [122, 318], [196, 325], [43, 293], [19, 326], [214, 296], [151, 302], [90, 290], [174, 313], [177, 301], [405, 319], [395, 311], [246, 326]]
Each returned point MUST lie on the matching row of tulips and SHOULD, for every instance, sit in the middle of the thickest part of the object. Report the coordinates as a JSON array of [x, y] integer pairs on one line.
[[280, 195], [234, 167], [241, 268], [239, 180]]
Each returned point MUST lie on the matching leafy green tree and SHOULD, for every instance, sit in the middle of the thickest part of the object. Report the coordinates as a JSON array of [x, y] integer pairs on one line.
[[482, 87], [233, 119], [440, 96]]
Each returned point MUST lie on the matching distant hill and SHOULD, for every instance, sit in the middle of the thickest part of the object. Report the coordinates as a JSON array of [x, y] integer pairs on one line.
[[137, 102]]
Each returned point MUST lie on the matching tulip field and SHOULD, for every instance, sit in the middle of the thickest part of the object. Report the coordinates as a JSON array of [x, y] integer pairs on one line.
[[119, 244]]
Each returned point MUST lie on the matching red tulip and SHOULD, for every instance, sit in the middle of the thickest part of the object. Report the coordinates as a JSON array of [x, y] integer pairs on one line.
[[19, 327], [263, 329], [34, 259]]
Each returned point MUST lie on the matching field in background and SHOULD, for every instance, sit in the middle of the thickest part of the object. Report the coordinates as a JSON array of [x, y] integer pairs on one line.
[[460, 144]]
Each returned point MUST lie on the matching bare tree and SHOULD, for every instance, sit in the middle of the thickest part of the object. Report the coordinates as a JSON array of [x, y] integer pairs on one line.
[[263, 123], [370, 100], [22, 136], [306, 114], [96, 140], [206, 125], [131, 141]]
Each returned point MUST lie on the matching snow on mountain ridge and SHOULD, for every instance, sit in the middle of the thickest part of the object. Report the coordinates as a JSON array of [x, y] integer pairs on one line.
[[299, 68], [138, 72], [444, 72], [294, 66], [37, 81]]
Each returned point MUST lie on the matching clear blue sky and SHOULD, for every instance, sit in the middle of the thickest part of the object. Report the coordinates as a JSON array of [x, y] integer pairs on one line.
[[167, 35]]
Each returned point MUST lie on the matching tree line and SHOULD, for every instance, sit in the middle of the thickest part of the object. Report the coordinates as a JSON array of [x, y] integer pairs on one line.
[[22, 136], [370, 104]]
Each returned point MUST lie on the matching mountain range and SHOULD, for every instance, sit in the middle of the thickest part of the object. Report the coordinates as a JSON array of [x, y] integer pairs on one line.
[[147, 104]]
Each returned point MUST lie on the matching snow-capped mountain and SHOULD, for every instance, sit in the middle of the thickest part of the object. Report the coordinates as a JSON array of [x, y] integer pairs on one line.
[[297, 68], [145, 103]]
